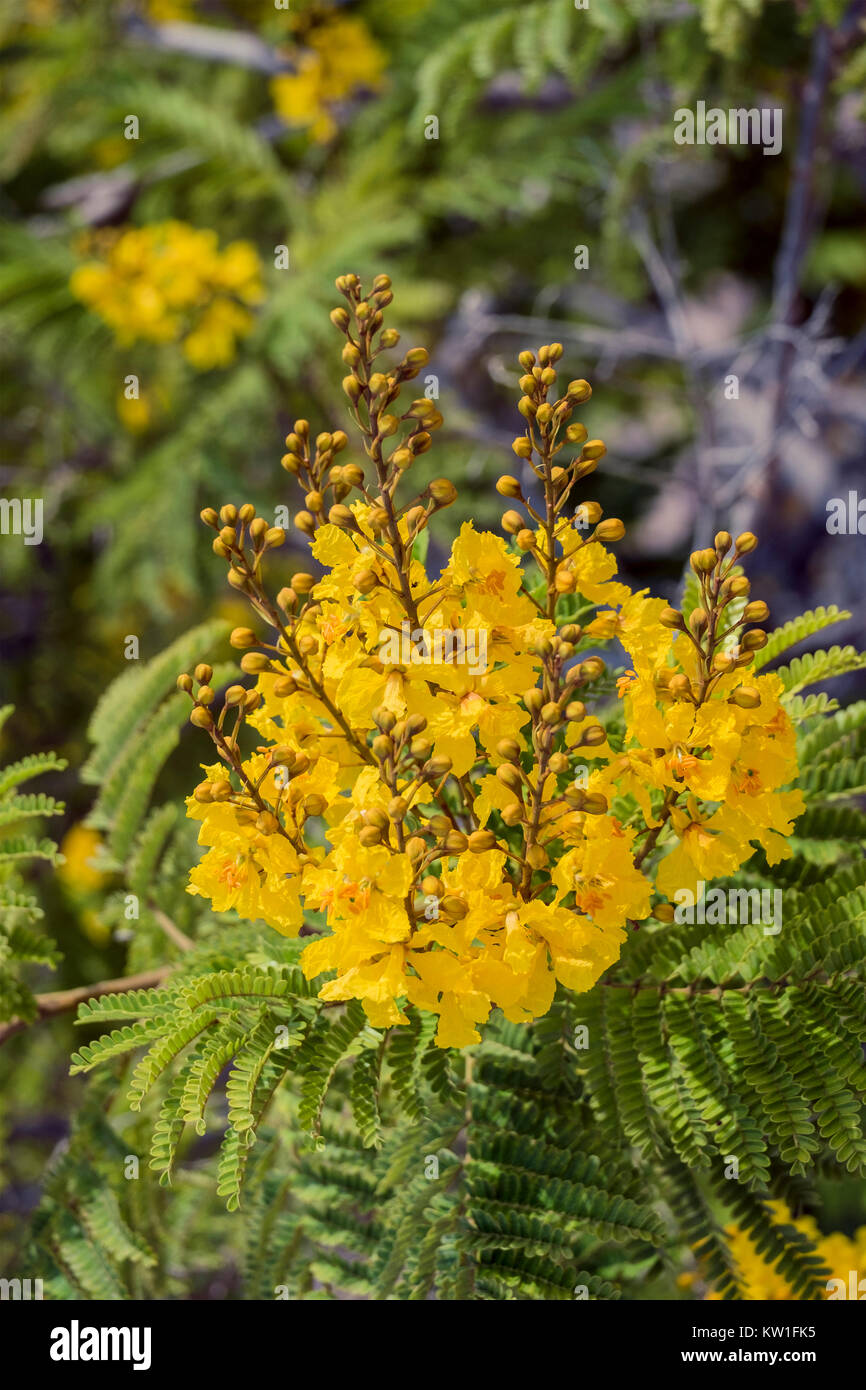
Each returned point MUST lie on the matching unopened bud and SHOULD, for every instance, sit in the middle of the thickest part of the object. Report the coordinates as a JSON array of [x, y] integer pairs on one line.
[[756, 612], [746, 696]]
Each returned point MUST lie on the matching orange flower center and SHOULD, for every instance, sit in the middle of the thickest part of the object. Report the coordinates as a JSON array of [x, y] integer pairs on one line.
[[494, 583], [750, 782], [234, 873]]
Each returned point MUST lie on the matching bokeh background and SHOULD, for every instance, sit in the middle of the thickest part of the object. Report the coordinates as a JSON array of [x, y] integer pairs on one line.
[[182, 182]]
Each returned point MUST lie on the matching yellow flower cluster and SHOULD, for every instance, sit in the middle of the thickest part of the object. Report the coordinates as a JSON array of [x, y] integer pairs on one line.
[[428, 781], [335, 57], [169, 282], [840, 1253]]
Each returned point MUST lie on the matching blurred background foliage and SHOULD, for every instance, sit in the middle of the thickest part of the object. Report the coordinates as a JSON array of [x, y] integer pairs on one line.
[[182, 181]]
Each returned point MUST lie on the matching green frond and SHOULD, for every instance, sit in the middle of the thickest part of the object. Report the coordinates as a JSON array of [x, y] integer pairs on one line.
[[135, 695], [820, 666], [797, 630]]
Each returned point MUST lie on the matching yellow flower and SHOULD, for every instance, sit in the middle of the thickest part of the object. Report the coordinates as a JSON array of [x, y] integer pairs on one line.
[[338, 57], [168, 282], [762, 1282], [79, 847]]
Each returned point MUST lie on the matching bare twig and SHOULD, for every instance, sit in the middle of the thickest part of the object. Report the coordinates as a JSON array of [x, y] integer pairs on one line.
[[62, 1000]]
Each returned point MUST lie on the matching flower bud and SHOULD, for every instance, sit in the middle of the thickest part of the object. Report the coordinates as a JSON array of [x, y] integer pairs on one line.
[[436, 768], [703, 561], [753, 640], [456, 842], [746, 697], [536, 857], [522, 447], [254, 662], [579, 391], [593, 736], [512, 522], [452, 906], [671, 617], [481, 840], [184, 683], [443, 491], [612, 529], [202, 718], [507, 486], [746, 542], [593, 449], [209, 517], [756, 612], [305, 522], [509, 749], [723, 542], [509, 776]]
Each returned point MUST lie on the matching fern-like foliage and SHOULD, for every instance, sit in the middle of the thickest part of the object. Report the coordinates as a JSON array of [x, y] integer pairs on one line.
[[21, 846]]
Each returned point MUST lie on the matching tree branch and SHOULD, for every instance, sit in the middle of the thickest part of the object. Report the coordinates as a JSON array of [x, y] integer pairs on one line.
[[62, 1000]]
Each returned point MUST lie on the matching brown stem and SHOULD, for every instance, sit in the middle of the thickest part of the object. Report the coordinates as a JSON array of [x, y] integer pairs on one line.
[[62, 1000]]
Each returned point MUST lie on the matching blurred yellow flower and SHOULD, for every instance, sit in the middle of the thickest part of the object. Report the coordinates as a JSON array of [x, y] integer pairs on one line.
[[338, 57], [79, 847], [840, 1253], [169, 282], [134, 414]]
